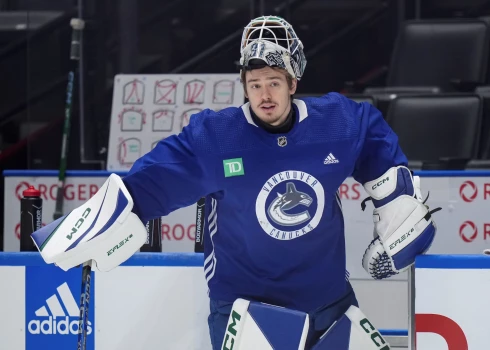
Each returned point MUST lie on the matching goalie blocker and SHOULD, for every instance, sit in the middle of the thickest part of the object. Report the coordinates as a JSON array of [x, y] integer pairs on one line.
[[103, 230], [254, 325]]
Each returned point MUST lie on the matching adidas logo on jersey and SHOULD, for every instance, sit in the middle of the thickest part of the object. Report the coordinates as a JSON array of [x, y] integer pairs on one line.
[[330, 159], [56, 321]]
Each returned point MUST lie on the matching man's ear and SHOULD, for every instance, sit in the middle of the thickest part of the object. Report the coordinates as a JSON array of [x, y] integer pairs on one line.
[[294, 85]]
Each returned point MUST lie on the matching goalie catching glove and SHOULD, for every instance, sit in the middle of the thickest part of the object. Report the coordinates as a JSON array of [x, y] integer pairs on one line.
[[103, 229], [403, 225]]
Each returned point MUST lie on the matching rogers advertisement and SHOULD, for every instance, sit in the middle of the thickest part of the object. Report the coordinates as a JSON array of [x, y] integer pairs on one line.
[[177, 228], [463, 223]]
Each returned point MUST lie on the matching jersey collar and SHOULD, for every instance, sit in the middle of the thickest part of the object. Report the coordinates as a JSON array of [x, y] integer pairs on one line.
[[300, 105]]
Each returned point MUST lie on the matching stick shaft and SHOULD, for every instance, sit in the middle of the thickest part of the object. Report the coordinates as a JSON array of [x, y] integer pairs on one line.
[[84, 306], [77, 26], [58, 212]]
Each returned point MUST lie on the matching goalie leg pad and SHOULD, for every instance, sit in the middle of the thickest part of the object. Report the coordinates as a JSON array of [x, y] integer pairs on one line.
[[254, 325], [353, 331]]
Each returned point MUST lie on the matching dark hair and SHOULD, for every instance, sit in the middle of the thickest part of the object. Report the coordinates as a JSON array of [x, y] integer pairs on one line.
[[289, 77]]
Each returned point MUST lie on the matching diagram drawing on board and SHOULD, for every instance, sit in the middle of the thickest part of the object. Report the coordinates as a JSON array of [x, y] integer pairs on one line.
[[186, 117], [149, 107], [223, 91], [194, 92], [129, 150], [163, 120], [134, 92], [132, 119], [165, 92]]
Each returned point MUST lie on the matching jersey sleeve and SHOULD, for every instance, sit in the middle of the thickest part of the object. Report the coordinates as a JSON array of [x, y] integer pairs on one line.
[[175, 174], [377, 149]]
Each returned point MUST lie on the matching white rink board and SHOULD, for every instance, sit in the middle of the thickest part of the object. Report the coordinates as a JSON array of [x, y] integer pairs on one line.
[[146, 306], [159, 301], [12, 306], [452, 303], [164, 307]]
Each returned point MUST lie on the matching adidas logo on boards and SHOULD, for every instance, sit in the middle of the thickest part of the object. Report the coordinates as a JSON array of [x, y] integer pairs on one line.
[[330, 159], [56, 321]]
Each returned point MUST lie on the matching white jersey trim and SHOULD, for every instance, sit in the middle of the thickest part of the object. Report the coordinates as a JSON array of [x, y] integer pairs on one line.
[[303, 111], [248, 115], [339, 202]]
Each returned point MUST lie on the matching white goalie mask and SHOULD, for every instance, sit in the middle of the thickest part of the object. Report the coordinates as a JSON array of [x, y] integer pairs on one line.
[[272, 40]]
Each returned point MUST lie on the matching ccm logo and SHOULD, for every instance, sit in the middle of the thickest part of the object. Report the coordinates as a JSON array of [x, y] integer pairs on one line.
[[379, 183], [468, 191], [468, 231], [443, 326]]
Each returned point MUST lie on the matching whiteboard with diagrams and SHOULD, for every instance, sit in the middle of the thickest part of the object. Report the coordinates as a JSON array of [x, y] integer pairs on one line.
[[149, 108]]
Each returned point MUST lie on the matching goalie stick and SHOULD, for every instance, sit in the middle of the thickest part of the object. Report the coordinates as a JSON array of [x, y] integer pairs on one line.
[[77, 25], [84, 305]]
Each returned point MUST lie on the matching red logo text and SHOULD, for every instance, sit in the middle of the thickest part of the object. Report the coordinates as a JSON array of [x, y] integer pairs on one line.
[[468, 191], [80, 192], [350, 192], [468, 231], [178, 232]]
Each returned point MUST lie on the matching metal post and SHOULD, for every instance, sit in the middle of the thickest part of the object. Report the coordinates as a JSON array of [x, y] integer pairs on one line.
[[128, 35], [262, 8], [81, 95], [288, 11], [417, 9], [411, 308], [400, 14]]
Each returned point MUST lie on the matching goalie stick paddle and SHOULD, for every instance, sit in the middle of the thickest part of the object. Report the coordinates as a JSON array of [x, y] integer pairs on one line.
[[200, 216], [84, 306], [77, 24]]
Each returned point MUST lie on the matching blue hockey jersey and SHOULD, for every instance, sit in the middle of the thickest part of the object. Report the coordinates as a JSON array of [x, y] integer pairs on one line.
[[274, 230]]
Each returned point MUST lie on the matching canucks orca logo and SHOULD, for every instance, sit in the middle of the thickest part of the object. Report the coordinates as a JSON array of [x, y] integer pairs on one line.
[[289, 200], [289, 212]]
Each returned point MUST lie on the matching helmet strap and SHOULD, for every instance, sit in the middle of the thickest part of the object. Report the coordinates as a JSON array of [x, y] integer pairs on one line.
[[286, 58]]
